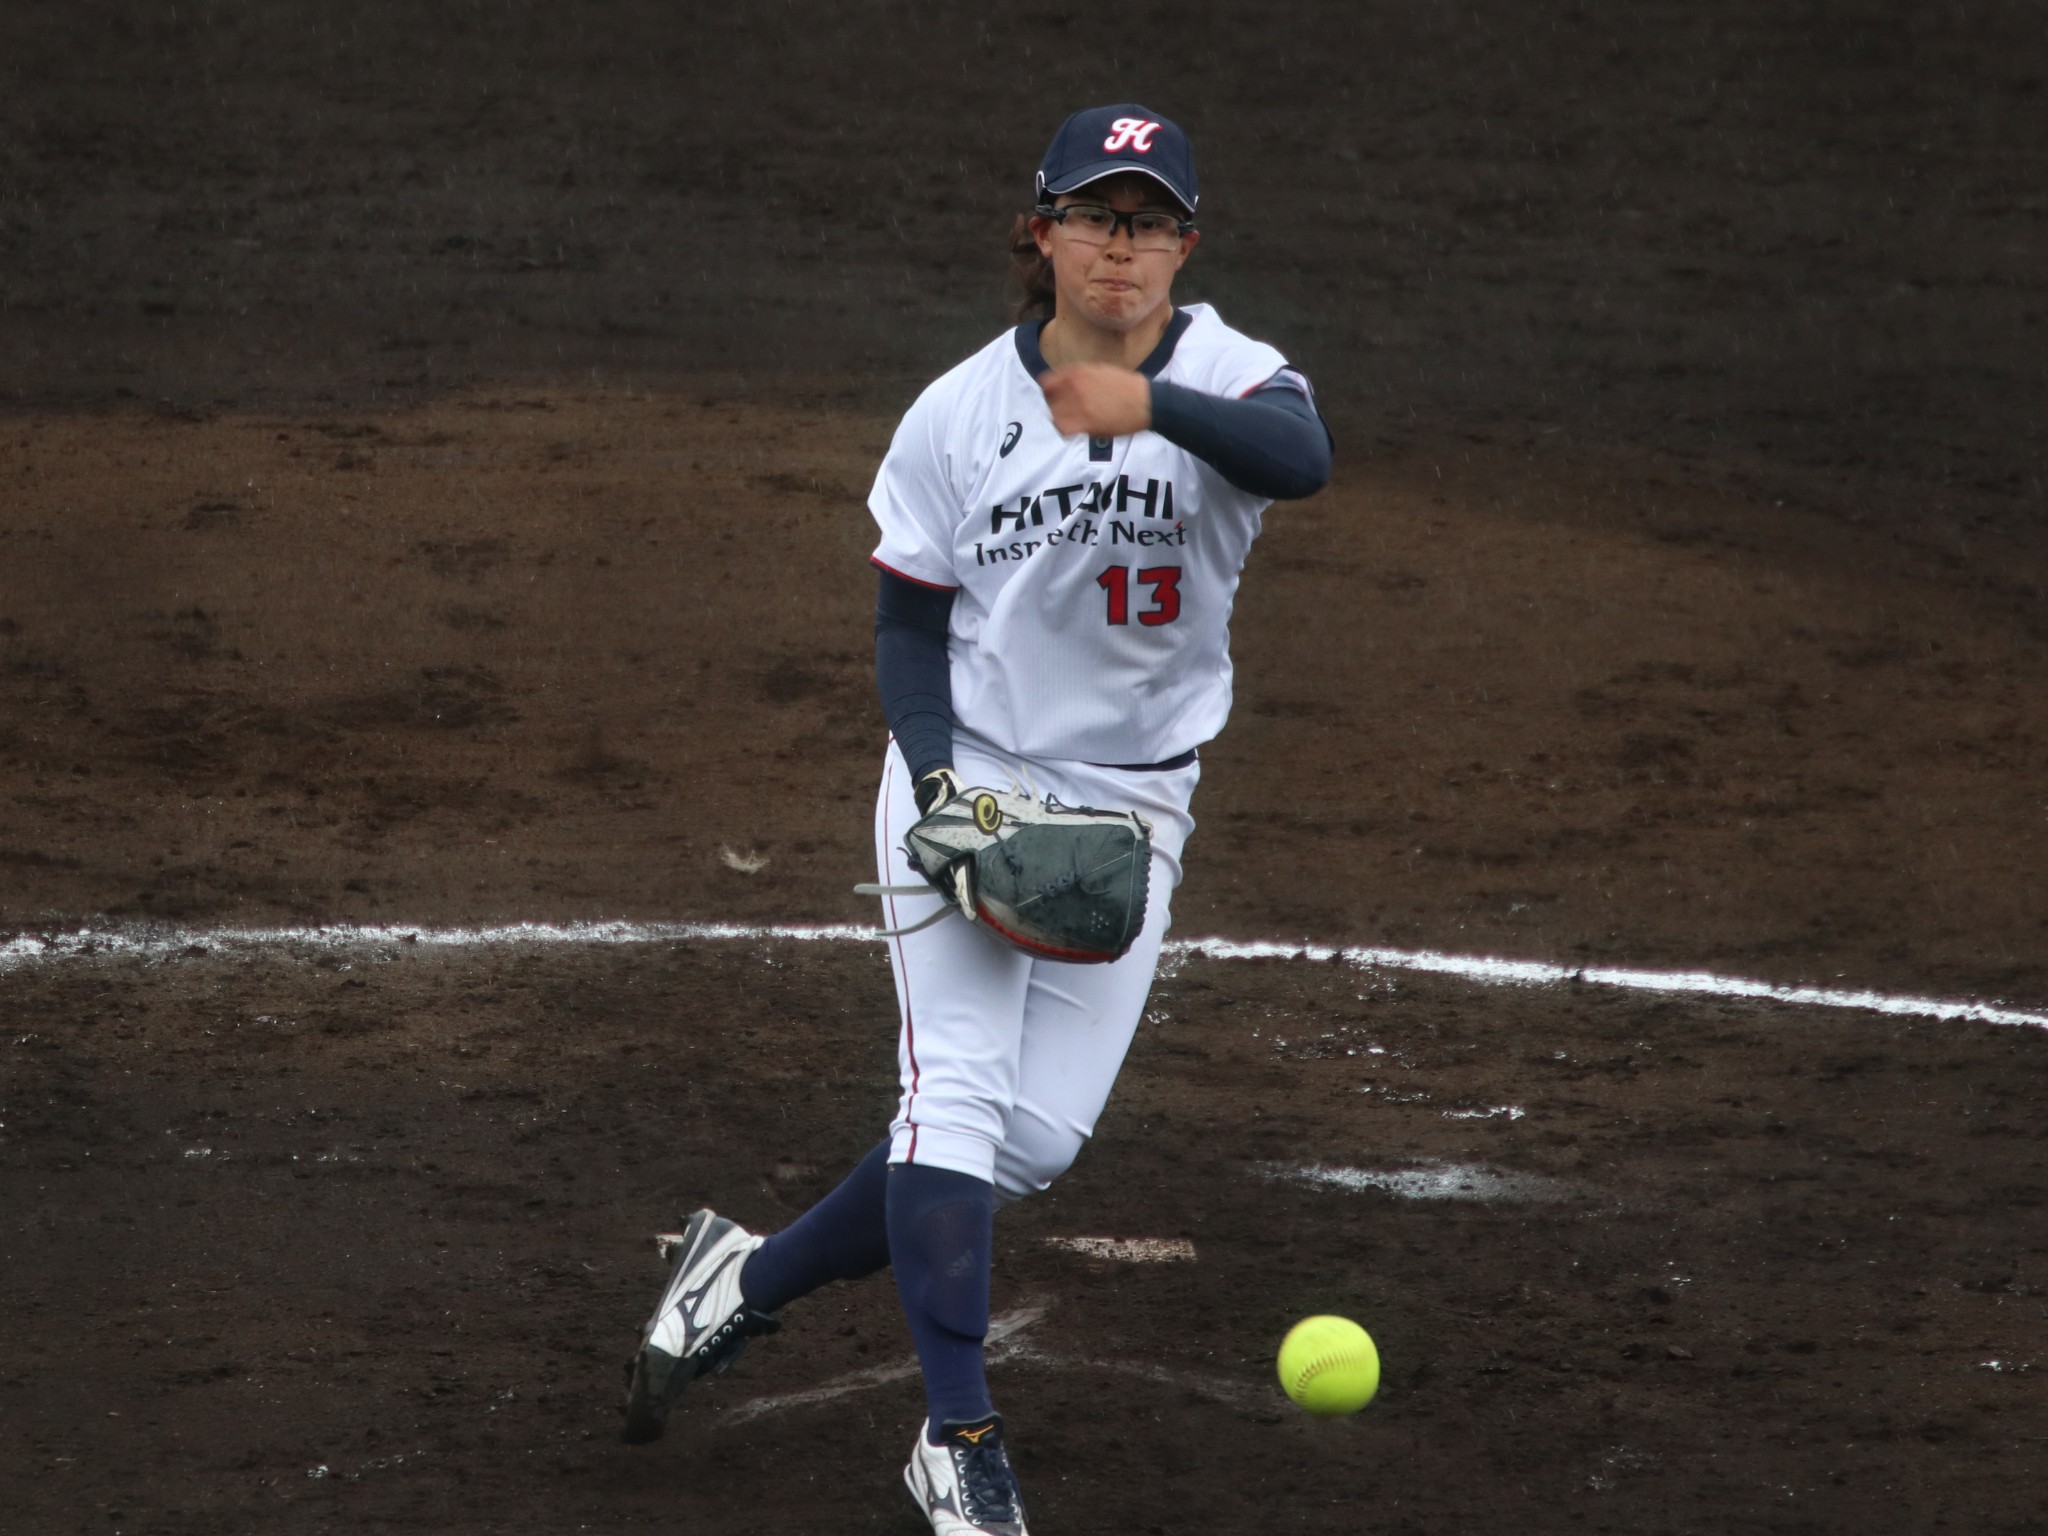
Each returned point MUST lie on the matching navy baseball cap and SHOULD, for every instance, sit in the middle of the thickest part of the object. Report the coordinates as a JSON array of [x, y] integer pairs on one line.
[[1106, 141]]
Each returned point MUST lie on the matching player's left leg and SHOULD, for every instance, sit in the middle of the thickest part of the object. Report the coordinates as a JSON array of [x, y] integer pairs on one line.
[[961, 999], [1079, 1020], [1077, 1024]]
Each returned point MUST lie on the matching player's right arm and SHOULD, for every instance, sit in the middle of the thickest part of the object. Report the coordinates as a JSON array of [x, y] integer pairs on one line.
[[915, 505], [913, 672]]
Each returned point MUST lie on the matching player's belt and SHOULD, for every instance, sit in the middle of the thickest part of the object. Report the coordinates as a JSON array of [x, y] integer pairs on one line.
[[1171, 763]]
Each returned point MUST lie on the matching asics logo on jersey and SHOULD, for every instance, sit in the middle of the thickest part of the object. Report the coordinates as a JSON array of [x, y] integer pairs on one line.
[[1016, 430], [1132, 132]]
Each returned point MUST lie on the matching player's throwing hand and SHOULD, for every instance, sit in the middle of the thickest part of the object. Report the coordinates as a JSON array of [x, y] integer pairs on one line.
[[1097, 400]]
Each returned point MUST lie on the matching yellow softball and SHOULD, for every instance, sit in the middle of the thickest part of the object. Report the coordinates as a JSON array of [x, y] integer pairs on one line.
[[1329, 1365]]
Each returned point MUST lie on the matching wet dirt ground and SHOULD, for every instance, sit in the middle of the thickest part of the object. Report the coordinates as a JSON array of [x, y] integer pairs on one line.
[[433, 456]]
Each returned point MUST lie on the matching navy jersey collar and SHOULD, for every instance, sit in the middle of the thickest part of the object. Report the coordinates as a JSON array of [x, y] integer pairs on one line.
[[1035, 363]]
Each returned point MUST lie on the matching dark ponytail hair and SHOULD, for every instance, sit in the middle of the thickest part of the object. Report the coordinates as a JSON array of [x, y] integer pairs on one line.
[[1032, 271]]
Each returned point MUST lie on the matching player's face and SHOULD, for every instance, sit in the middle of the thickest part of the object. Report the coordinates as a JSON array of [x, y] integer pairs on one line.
[[1117, 286]]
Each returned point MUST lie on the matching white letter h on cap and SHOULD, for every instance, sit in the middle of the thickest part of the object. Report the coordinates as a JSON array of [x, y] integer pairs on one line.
[[1135, 131]]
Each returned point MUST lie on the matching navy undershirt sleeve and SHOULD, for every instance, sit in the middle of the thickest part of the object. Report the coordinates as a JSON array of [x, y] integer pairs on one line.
[[1270, 443], [912, 671]]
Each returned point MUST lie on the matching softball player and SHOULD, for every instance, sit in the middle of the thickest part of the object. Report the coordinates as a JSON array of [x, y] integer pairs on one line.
[[1063, 520]]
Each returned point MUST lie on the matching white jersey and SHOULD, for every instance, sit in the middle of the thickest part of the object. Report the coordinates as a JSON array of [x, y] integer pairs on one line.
[[1095, 577]]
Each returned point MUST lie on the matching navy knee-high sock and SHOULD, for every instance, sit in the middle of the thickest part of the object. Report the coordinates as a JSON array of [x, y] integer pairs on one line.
[[843, 1237], [940, 1232]]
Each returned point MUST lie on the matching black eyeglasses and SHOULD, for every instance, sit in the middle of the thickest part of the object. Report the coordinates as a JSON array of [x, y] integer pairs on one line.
[[1093, 224]]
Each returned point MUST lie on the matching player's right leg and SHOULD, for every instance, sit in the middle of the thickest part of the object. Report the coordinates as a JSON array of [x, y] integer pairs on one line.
[[843, 1237], [960, 1063], [700, 1325], [724, 1282], [961, 998]]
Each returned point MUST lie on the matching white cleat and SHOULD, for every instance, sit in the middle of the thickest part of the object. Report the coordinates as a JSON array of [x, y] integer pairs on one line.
[[965, 1486], [700, 1325]]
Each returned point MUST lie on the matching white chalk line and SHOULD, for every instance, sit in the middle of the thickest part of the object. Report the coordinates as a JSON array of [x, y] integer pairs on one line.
[[1000, 1331], [1128, 1250], [1490, 971], [1006, 1343], [162, 945], [1433, 1181], [1223, 1389]]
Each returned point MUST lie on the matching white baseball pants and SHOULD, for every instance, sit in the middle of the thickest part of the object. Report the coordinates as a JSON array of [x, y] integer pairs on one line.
[[1005, 1059]]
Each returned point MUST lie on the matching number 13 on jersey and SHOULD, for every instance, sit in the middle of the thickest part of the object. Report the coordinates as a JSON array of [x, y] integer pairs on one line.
[[1163, 605]]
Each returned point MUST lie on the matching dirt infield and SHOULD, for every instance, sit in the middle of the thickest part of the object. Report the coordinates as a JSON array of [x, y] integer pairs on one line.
[[351, 1242], [434, 455]]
